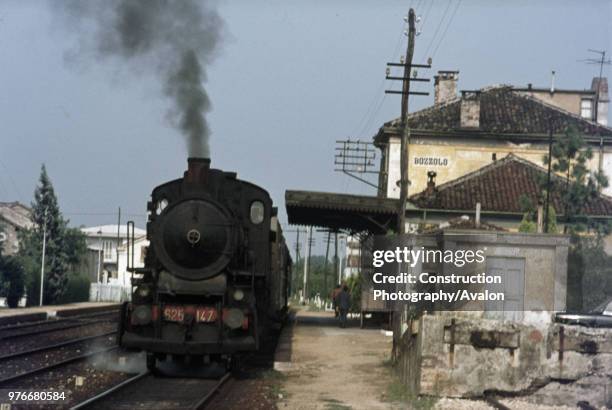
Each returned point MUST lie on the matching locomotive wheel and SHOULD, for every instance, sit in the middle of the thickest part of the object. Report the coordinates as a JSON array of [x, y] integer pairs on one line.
[[232, 364], [151, 363]]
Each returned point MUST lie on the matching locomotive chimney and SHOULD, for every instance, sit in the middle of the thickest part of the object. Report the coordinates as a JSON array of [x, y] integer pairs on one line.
[[197, 170]]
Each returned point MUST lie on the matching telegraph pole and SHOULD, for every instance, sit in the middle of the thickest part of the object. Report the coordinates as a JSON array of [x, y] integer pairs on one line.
[[405, 92], [42, 264], [119, 243], [307, 263], [404, 122], [336, 267], [550, 143], [295, 280], [326, 260]]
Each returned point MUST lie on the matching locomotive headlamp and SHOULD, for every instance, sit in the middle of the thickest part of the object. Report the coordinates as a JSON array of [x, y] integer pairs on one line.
[[238, 294], [143, 291], [141, 315], [233, 318], [257, 212]]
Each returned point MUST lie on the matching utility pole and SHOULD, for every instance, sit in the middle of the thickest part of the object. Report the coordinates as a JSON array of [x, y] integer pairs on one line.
[[307, 263], [119, 244], [298, 247], [550, 143], [326, 262], [405, 92], [601, 61], [42, 264], [336, 267]]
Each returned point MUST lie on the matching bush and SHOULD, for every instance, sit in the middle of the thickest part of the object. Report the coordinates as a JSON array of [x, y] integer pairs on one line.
[[77, 289], [354, 285], [12, 280]]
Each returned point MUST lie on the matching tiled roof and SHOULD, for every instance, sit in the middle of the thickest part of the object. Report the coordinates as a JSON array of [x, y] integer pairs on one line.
[[498, 187], [463, 222], [503, 111]]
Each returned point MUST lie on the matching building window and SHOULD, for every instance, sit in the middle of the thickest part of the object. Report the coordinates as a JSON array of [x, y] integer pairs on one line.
[[586, 108]]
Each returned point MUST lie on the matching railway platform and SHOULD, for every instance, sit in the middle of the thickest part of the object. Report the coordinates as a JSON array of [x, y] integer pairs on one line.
[[331, 367], [17, 315]]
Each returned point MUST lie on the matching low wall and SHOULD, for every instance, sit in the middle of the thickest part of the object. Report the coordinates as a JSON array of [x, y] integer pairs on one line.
[[459, 355], [106, 292]]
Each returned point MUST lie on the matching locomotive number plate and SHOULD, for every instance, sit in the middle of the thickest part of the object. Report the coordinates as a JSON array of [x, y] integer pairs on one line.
[[202, 314]]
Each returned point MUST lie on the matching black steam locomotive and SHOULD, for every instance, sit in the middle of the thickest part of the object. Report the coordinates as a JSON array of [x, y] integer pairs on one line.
[[216, 273]]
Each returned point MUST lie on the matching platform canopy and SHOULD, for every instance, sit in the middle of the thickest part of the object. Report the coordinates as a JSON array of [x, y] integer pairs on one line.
[[355, 213]]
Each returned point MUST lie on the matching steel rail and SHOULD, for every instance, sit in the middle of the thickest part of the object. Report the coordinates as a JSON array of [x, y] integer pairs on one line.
[[206, 399], [54, 346], [110, 391], [41, 369], [128, 382], [59, 319], [55, 329]]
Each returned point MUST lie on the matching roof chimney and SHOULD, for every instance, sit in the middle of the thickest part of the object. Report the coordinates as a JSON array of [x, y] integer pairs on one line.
[[600, 86], [445, 86], [470, 109], [552, 82], [431, 183]]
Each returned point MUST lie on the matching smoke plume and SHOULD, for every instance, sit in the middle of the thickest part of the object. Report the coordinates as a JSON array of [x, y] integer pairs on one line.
[[175, 39]]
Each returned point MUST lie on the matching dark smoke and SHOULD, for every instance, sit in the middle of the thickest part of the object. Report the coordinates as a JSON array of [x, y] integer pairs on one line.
[[175, 39]]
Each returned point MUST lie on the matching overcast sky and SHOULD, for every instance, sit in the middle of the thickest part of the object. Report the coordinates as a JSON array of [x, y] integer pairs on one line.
[[292, 76]]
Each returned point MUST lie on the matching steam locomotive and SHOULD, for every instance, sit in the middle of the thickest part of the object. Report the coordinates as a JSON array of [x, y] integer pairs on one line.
[[216, 274]]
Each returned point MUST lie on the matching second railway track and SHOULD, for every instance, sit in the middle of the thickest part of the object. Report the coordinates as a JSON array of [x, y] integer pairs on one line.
[[147, 391], [21, 362]]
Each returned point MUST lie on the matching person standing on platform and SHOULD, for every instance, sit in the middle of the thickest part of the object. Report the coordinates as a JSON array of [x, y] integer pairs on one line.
[[334, 296], [343, 300]]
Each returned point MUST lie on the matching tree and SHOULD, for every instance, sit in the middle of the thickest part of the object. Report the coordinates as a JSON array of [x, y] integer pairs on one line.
[[316, 278], [64, 246], [580, 186], [12, 280], [588, 280], [530, 216]]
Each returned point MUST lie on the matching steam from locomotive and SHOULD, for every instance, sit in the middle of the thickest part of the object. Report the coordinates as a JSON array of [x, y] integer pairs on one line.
[[174, 39]]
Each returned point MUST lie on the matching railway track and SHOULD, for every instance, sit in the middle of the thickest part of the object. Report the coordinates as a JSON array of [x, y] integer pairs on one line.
[[146, 391], [37, 328], [15, 379], [23, 361]]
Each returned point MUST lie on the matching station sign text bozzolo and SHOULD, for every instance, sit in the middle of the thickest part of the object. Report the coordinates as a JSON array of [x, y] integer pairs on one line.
[[430, 161]]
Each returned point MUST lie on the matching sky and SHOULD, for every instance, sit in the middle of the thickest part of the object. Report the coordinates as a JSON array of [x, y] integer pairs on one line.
[[291, 77]]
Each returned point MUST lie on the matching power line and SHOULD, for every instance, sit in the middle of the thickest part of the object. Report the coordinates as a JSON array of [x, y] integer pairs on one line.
[[377, 99], [450, 21], [437, 28], [426, 14], [8, 174]]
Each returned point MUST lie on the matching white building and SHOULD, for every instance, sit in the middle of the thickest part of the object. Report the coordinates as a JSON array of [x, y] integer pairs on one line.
[[140, 251], [105, 239], [352, 264]]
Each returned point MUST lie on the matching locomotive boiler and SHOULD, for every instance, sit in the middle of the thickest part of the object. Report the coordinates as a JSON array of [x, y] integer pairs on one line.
[[216, 273]]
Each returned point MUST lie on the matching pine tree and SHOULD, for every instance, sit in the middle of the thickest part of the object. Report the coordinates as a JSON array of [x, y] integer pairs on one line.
[[64, 246], [580, 187], [588, 273]]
